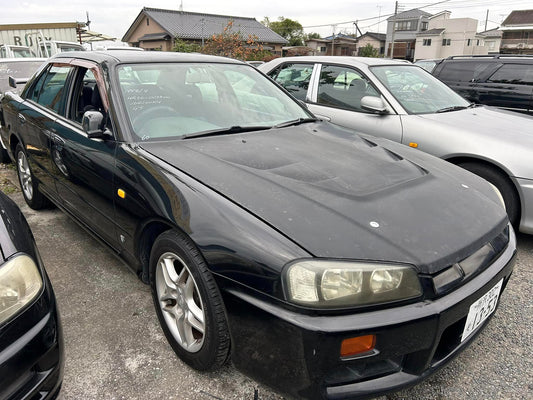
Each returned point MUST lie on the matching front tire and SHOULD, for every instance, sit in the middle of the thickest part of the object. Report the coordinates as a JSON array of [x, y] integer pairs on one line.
[[28, 184], [188, 303]]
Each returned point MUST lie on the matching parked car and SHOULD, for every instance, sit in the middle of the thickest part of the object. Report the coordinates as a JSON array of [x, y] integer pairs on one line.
[[20, 69], [429, 64], [15, 51], [503, 80], [404, 103], [31, 339], [330, 265]]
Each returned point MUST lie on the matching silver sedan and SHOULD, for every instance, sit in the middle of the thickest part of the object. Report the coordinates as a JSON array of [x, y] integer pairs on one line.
[[404, 103]]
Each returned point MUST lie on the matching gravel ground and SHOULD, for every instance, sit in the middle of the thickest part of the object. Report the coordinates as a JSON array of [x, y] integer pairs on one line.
[[116, 350]]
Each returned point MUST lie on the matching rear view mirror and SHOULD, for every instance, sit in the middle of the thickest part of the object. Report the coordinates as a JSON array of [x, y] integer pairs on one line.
[[92, 123], [374, 104]]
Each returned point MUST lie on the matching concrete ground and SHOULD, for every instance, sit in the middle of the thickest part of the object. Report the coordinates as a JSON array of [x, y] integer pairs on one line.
[[115, 348]]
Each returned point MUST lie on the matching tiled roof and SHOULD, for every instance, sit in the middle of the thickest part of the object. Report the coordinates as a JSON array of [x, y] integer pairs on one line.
[[190, 25], [519, 17], [429, 32], [409, 14], [375, 35]]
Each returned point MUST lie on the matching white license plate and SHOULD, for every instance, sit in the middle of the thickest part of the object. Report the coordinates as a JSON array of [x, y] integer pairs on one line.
[[481, 310]]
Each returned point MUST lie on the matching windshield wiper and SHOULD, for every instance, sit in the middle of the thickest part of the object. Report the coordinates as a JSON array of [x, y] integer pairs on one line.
[[295, 122], [226, 131], [453, 108]]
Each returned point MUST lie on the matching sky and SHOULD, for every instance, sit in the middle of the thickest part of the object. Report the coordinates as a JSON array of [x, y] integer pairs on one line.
[[114, 17]]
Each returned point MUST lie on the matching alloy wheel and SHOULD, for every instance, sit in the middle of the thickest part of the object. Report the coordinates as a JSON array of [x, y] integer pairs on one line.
[[180, 302], [25, 175]]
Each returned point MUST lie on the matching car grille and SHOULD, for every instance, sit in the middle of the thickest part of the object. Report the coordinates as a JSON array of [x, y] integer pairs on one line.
[[459, 273]]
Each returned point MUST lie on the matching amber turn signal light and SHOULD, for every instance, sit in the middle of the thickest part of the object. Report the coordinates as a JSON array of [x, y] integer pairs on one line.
[[357, 345]]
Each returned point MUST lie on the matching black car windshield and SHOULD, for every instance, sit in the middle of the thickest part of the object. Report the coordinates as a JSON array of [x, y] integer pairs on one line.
[[417, 91], [173, 100]]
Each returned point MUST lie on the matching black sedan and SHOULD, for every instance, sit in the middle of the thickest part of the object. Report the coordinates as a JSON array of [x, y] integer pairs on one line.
[[328, 264], [31, 340]]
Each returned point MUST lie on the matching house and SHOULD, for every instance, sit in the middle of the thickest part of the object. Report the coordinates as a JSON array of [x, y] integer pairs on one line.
[[447, 37], [402, 29], [517, 37], [493, 40], [335, 45], [376, 40], [157, 29]]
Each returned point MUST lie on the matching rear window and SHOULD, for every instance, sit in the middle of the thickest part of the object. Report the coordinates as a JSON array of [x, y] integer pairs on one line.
[[462, 71], [513, 73]]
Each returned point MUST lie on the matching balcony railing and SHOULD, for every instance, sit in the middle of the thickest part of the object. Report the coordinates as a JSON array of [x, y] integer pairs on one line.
[[517, 43]]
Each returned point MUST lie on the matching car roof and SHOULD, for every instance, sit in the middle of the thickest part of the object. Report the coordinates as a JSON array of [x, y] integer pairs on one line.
[[369, 61], [132, 56]]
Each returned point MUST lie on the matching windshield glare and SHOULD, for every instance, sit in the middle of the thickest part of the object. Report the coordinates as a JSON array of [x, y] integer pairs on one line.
[[416, 90], [168, 100]]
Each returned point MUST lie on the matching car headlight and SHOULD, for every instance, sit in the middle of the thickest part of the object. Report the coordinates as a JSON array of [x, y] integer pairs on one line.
[[20, 283], [321, 283]]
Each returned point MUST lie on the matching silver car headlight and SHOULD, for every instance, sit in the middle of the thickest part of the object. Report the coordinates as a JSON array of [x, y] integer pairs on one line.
[[322, 283], [20, 283]]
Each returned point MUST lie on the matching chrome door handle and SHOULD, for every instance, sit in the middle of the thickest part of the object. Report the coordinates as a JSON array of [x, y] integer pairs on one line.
[[22, 118]]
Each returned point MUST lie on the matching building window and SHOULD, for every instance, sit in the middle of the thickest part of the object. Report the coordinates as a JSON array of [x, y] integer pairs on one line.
[[446, 42], [424, 26], [323, 49], [405, 25], [477, 43], [426, 42], [468, 42], [147, 21]]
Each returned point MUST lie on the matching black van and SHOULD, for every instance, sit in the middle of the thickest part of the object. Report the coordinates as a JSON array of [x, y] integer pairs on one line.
[[503, 80]]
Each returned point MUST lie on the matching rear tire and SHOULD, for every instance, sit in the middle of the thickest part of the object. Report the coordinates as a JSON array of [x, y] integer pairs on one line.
[[28, 184], [504, 186], [188, 303]]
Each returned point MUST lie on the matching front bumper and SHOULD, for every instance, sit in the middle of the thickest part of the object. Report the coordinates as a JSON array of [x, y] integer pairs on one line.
[[299, 353], [31, 352]]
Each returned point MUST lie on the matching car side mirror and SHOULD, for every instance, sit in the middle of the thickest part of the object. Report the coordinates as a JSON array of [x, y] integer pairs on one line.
[[13, 82], [374, 104], [93, 124]]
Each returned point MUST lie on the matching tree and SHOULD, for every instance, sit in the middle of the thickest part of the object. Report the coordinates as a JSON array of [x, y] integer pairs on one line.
[[232, 44], [369, 51], [313, 35], [289, 29], [185, 47]]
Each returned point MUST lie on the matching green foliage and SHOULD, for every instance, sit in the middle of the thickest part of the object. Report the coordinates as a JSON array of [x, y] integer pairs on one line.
[[185, 47], [369, 51], [289, 29], [312, 35]]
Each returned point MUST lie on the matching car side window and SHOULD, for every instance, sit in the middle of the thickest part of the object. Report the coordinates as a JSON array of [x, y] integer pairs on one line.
[[343, 87], [467, 71], [49, 90], [513, 73], [86, 96], [294, 77]]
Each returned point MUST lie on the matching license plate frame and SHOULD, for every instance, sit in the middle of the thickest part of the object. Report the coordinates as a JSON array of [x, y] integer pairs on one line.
[[481, 309]]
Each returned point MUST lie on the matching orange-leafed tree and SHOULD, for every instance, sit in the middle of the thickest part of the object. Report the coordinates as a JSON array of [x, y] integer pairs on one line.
[[232, 44]]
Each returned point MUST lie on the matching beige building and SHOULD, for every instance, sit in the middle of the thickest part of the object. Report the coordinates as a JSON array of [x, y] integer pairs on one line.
[[517, 31], [449, 37], [157, 29], [376, 40]]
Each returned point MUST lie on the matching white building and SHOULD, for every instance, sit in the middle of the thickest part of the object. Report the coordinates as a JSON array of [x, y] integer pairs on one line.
[[449, 37]]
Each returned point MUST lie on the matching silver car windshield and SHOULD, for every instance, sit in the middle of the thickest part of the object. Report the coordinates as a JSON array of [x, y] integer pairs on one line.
[[169, 100], [417, 91]]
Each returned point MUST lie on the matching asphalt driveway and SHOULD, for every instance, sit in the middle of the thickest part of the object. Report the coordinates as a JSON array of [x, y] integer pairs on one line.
[[115, 348]]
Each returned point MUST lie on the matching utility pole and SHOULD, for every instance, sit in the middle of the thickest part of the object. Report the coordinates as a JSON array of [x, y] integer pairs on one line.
[[333, 41], [393, 30], [486, 20]]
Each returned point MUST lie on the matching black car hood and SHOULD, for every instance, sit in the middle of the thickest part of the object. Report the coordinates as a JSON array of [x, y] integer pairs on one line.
[[339, 195]]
